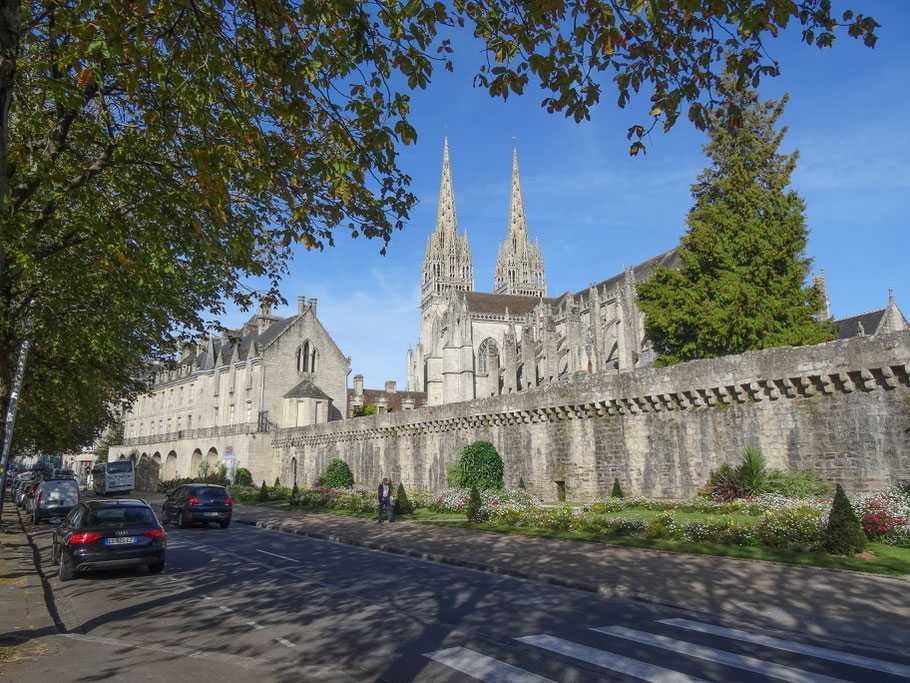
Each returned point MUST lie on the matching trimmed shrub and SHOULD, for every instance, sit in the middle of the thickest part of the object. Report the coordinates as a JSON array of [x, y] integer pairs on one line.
[[521, 483], [402, 504], [474, 506], [453, 475], [723, 484], [263, 493], [338, 475], [481, 466], [294, 492], [243, 477], [617, 490], [277, 482], [844, 534]]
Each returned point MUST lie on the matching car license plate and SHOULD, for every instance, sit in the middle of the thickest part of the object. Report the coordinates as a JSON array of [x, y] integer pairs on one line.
[[126, 540], [212, 514]]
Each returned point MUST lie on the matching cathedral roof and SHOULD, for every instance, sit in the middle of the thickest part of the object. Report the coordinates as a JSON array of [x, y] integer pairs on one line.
[[850, 327], [306, 389], [644, 270], [484, 302]]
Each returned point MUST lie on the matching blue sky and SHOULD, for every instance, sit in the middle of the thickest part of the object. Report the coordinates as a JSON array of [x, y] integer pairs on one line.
[[595, 209]]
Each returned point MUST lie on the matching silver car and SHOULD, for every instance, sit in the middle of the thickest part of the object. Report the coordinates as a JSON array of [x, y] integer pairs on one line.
[[54, 498]]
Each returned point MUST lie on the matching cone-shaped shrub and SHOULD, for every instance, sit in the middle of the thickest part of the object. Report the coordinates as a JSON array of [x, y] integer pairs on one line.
[[617, 489], [294, 492], [844, 534], [264, 493], [402, 505], [277, 482], [521, 483], [474, 505]]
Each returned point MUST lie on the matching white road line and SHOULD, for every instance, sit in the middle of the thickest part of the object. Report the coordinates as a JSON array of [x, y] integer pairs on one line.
[[205, 596], [225, 609], [710, 654], [254, 625], [792, 646], [286, 643], [482, 667], [277, 555], [607, 660]]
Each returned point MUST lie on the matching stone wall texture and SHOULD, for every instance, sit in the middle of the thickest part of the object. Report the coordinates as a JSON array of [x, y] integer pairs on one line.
[[841, 407]]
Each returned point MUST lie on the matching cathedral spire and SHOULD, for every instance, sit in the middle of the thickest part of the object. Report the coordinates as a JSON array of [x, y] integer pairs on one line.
[[519, 265], [447, 263]]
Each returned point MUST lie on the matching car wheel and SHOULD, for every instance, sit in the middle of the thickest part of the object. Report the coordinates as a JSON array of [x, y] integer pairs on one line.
[[165, 517], [64, 573], [156, 568], [181, 522], [225, 524]]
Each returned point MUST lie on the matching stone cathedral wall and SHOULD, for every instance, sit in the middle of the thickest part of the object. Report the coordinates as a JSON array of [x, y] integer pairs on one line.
[[841, 407]]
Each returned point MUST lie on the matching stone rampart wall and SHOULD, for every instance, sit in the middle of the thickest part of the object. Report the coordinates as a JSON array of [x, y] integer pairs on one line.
[[842, 408]]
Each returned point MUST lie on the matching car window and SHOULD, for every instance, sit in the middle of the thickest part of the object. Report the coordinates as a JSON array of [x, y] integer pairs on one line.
[[120, 466], [211, 492], [112, 517], [72, 519], [181, 494]]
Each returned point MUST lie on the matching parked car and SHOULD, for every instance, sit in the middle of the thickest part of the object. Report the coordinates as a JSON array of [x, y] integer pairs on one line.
[[109, 534], [24, 495], [198, 503], [54, 498]]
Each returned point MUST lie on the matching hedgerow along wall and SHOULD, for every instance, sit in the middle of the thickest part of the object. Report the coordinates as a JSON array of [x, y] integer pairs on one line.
[[841, 407]]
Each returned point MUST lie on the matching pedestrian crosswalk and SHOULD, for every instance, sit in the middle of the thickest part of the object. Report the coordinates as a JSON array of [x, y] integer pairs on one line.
[[759, 663]]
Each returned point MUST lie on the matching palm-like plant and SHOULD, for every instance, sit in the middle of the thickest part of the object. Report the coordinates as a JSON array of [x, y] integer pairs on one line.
[[751, 473]]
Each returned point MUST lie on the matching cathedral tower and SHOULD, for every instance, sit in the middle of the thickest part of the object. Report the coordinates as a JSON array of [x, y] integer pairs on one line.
[[519, 266], [447, 265]]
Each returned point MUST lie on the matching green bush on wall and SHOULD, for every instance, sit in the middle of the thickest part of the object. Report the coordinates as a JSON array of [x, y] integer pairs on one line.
[[481, 466], [338, 475]]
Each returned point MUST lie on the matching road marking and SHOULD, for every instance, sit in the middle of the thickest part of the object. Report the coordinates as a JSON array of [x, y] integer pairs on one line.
[[205, 596], [283, 557], [607, 660], [286, 643], [482, 667], [225, 609], [710, 654], [791, 646], [254, 625]]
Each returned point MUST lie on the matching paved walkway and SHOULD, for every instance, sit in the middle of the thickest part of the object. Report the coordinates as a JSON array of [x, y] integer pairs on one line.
[[857, 607]]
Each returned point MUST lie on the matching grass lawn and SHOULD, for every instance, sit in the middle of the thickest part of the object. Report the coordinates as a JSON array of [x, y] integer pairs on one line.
[[887, 559], [419, 514]]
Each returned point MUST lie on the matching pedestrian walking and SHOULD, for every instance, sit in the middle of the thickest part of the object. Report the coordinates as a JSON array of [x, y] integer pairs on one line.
[[385, 499]]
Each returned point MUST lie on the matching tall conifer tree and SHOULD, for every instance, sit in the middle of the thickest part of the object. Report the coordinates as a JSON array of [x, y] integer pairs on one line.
[[741, 284]]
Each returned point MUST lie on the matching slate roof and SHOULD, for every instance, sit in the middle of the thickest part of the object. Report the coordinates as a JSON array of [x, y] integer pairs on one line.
[[644, 270], [849, 327], [306, 389], [393, 399], [485, 302]]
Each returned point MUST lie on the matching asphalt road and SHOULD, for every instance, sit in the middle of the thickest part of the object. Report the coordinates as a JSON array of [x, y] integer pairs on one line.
[[246, 603]]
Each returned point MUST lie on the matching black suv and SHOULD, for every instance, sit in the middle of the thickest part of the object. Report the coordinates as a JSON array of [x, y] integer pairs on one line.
[[109, 534], [200, 503]]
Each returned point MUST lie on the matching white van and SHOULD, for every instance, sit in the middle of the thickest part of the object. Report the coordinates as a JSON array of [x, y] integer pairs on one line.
[[54, 498], [118, 476]]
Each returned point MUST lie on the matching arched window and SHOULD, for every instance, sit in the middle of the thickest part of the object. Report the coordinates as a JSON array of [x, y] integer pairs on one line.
[[487, 356], [306, 356]]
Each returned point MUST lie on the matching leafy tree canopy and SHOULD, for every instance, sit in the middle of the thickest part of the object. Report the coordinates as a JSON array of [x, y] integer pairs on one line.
[[741, 280], [154, 154]]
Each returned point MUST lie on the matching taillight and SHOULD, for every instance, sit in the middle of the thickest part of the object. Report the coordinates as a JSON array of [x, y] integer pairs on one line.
[[154, 533], [193, 501], [227, 502], [79, 496], [80, 539], [38, 502]]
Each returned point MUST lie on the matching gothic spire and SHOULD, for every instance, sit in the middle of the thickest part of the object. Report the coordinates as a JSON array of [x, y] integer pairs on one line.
[[519, 265], [446, 221]]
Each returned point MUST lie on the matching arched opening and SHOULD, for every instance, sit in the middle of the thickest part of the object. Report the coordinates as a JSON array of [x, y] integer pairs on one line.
[[195, 463], [488, 368], [292, 472], [170, 466], [211, 460]]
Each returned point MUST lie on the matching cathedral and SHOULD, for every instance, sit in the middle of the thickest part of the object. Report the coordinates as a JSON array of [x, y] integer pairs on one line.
[[479, 344]]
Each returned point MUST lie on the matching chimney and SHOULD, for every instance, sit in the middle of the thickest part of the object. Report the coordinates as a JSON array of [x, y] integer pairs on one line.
[[390, 387], [313, 305], [358, 385], [301, 304]]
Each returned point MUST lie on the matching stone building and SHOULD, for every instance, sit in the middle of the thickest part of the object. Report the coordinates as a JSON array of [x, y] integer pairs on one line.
[[477, 344], [386, 400], [222, 400]]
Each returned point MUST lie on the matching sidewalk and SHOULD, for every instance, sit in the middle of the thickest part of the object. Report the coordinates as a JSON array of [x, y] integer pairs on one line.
[[25, 621], [854, 607]]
